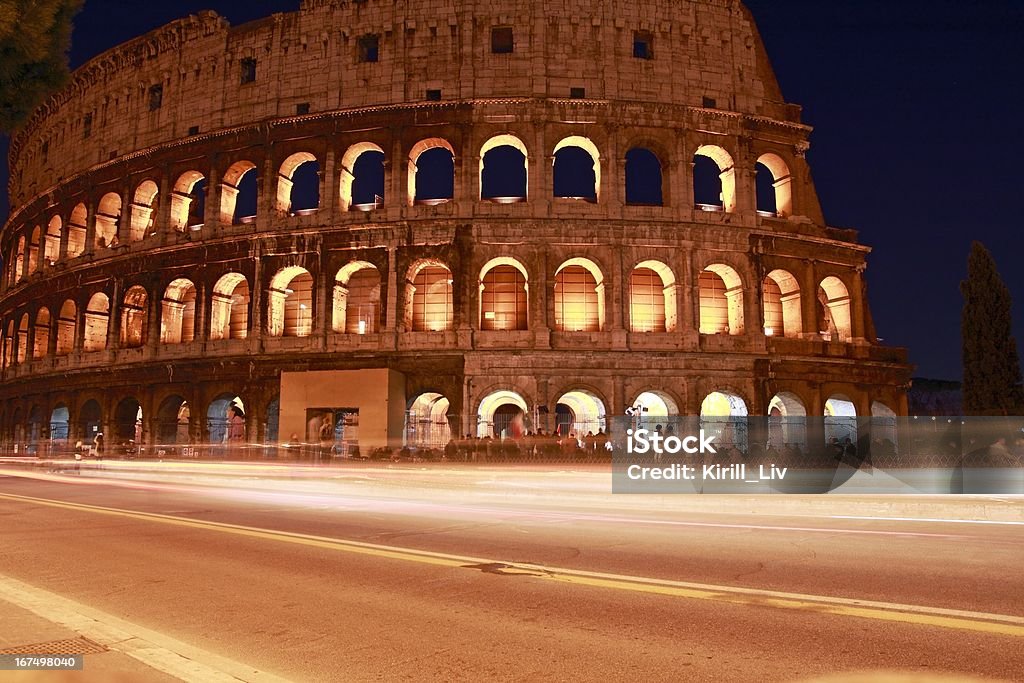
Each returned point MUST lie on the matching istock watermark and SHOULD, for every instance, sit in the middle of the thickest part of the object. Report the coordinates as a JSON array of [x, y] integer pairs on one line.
[[643, 441]]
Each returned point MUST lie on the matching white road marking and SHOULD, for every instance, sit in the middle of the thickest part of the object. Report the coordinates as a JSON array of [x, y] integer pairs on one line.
[[930, 519]]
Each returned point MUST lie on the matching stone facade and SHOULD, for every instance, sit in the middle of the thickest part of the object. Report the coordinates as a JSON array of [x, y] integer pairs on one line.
[[103, 189]]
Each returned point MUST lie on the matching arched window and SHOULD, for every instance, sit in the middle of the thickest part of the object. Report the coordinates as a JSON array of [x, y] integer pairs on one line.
[[178, 313], [834, 310], [76, 231], [356, 299], [431, 172], [503, 296], [714, 179], [41, 342], [721, 300], [229, 314], [579, 297], [67, 327], [291, 303], [33, 250], [19, 260], [781, 300], [503, 170], [579, 413], [774, 186], [431, 305], [298, 184], [108, 217], [23, 339], [500, 415], [143, 210], [10, 345], [362, 177], [188, 201], [643, 178], [577, 169], [133, 317], [652, 298], [840, 420], [426, 421], [724, 415], [97, 317], [239, 190], [51, 249]]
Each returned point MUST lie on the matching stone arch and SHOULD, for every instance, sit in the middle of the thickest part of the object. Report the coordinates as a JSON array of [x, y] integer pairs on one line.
[[834, 309], [721, 300], [143, 207], [127, 421], [34, 242], [238, 200], [652, 298], [496, 422], [429, 292], [773, 173], [291, 303], [780, 299], [576, 169], [97, 319], [10, 344], [229, 312], [504, 178], [351, 187], [357, 290], [437, 157], [60, 424], [787, 421], [426, 421], [108, 218], [217, 420], [41, 333], [90, 419], [178, 312], [188, 201], [67, 327], [644, 178], [19, 260], [504, 295], [51, 247], [580, 411], [77, 230], [134, 316], [723, 413], [579, 296], [726, 181], [651, 408], [23, 330], [298, 184], [840, 419], [173, 421]]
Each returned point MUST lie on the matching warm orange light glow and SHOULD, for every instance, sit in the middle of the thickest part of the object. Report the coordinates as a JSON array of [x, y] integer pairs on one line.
[[503, 299], [576, 306], [646, 301], [432, 300]]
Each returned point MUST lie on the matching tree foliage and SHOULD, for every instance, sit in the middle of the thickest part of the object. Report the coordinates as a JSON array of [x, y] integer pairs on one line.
[[992, 375], [34, 40]]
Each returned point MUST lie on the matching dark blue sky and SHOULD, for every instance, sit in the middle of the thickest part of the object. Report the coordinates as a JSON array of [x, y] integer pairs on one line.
[[919, 140]]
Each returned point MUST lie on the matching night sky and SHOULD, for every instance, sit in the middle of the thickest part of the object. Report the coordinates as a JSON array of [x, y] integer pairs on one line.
[[918, 143]]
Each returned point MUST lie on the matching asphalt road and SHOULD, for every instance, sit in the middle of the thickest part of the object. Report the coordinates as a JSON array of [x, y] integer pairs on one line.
[[435, 576]]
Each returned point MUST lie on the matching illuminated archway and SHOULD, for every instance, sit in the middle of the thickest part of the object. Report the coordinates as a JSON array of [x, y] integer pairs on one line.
[[779, 185], [178, 313], [834, 310], [291, 303], [504, 295], [51, 248], [783, 316], [362, 183], [97, 318], [229, 314], [67, 328], [429, 303], [431, 172], [840, 419], [721, 300], [579, 296], [580, 412], [238, 193], [41, 334], [108, 217], [787, 421], [494, 419], [134, 314], [576, 169], [356, 308], [723, 414], [188, 201], [143, 207], [652, 298], [298, 184], [426, 421], [725, 183]]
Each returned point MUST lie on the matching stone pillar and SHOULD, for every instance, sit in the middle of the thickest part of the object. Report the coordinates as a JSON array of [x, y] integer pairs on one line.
[[392, 311], [152, 330], [858, 307], [204, 307], [212, 218], [809, 292], [329, 186], [114, 319], [266, 196], [90, 227]]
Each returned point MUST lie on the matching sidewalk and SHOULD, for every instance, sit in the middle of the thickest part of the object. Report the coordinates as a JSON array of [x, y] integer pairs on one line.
[[26, 633]]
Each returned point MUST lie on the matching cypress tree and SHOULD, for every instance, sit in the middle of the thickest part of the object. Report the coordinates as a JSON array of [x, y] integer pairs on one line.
[[992, 375], [34, 40]]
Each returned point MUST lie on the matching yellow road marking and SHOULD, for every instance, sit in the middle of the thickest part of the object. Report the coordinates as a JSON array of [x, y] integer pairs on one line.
[[984, 622]]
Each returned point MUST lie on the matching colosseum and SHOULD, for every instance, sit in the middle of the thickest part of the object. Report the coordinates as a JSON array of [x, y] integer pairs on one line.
[[423, 219]]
